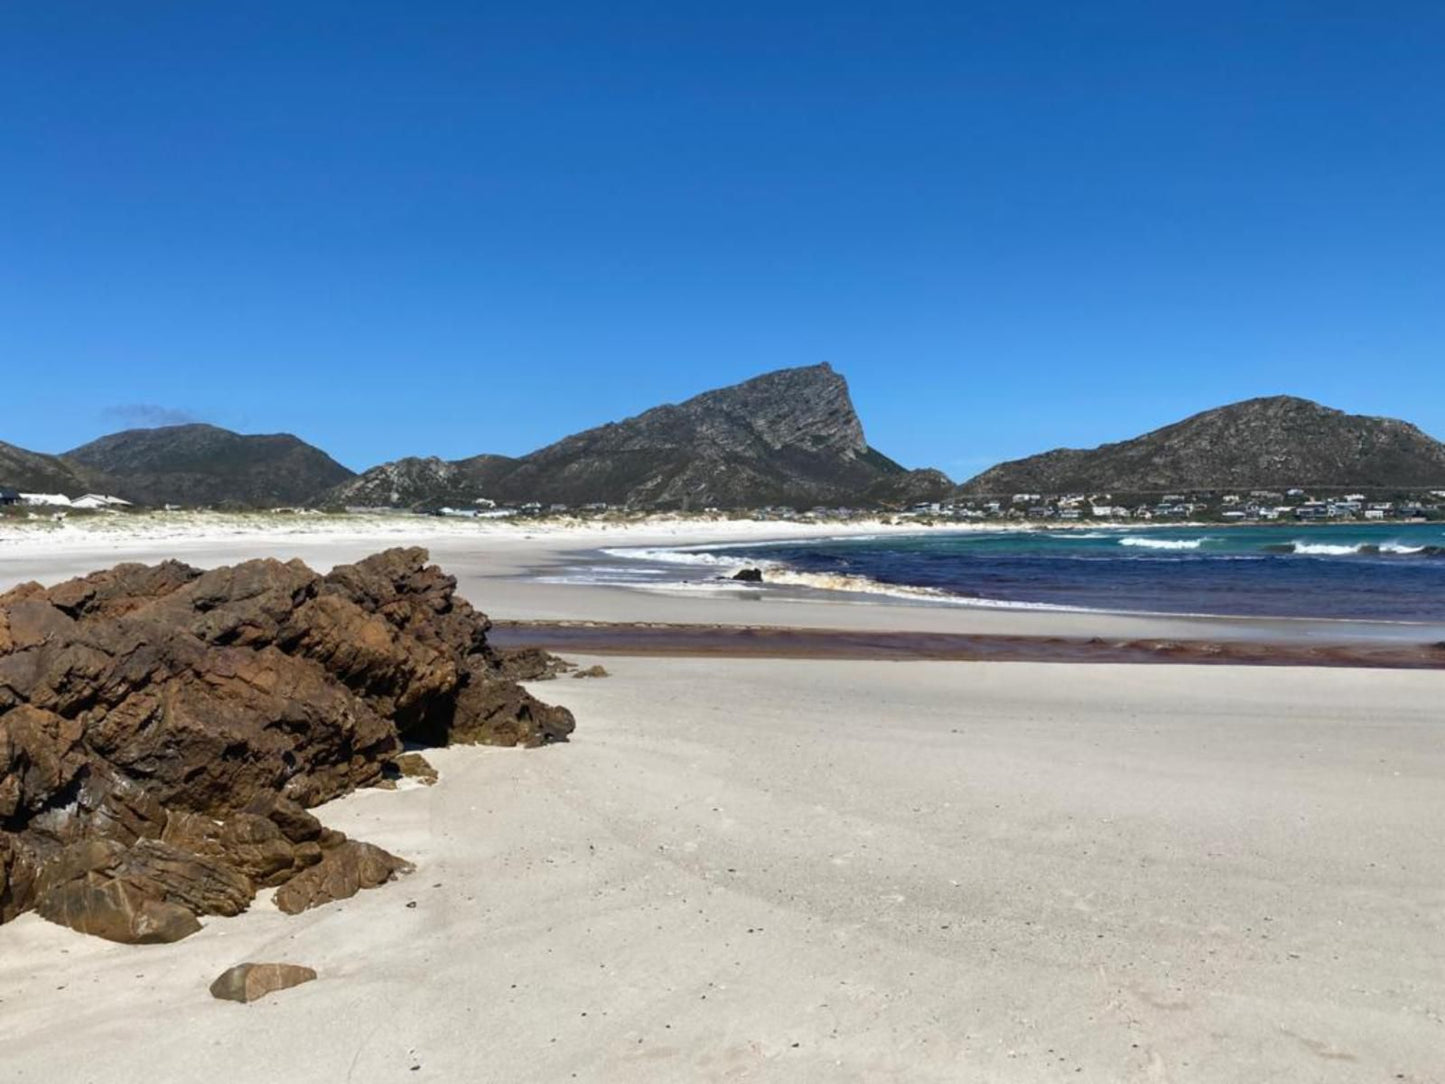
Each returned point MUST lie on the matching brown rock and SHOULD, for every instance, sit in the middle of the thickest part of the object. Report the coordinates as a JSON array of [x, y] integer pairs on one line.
[[529, 664], [117, 911], [177, 722], [592, 672], [80, 888], [206, 886], [120, 590], [249, 844], [247, 982], [148, 892], [40, 754], [112, 807], [17, 878], [415, 766], [493, 711], [342, 872]]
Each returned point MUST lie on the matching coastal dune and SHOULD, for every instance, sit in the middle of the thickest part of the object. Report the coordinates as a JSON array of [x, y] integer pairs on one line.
[[758, 869]]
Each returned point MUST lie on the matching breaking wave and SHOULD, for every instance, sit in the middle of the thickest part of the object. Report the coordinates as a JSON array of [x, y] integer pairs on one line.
[[1162, 543], [777, 573], [668, 556], [1366, 549]]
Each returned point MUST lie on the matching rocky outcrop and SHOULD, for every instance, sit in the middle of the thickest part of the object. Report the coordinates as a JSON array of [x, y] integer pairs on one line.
[[163, 729]]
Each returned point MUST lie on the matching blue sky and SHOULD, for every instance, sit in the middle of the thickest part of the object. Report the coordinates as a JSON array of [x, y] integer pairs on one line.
[[441, 228]]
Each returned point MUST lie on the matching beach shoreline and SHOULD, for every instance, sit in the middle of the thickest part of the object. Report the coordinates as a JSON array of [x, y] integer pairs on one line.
[[518, 571]]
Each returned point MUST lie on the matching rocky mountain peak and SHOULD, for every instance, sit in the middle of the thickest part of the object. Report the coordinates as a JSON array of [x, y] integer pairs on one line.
[[807, 408], [786, 437]]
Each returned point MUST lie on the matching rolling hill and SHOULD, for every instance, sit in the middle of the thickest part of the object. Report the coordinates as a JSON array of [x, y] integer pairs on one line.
[[1270, 442], [205, 465]]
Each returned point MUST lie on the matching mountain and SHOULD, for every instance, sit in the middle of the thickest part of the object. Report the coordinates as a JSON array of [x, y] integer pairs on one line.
[[788, 437], [205, 465], [416, 482], [1274, 442], [35, 472]]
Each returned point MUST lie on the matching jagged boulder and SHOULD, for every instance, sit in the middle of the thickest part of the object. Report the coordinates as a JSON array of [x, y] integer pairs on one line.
[[489, 711], [529, 664], [145, 893], [342, 872], [162, 730]]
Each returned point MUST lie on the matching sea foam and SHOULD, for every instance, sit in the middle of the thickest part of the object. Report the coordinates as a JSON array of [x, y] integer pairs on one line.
[[1163, 543]]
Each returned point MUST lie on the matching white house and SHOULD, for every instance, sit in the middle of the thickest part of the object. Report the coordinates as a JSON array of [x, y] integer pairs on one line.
[[98, 500]]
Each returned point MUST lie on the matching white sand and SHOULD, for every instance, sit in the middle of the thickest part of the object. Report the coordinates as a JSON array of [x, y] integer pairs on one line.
[[841, 872], [912, 871]]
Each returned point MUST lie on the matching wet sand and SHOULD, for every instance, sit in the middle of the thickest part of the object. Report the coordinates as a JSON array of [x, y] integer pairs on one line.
[[763, 642]]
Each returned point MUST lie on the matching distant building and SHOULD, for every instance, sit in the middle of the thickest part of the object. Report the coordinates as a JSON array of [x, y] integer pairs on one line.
[[9, 496], [98, 500]]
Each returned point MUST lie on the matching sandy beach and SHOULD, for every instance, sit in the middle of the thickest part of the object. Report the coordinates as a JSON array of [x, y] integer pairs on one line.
[[817, 870]]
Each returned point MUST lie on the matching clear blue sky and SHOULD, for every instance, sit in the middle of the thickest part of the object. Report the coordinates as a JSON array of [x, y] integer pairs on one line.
[[449, 228]]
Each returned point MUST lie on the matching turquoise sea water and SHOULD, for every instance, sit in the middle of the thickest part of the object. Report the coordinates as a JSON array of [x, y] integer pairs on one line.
[[1373, 571]]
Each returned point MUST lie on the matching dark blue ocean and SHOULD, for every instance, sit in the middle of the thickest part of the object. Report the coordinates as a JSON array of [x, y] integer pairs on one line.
[[1393, 572]]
